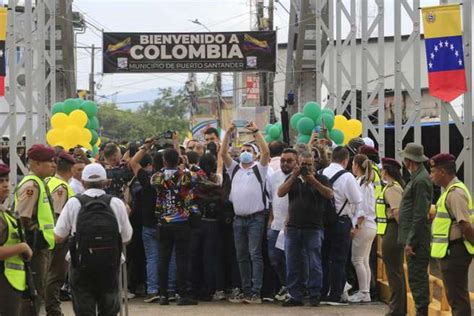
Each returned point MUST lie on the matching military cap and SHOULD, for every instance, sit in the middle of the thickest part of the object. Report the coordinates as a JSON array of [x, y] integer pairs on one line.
[[66, 156], [442, 159], [390, 162], [40, 152], [4, 170], [368, 150]]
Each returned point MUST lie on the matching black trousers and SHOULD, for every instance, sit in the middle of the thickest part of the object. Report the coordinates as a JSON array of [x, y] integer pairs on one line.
[[175, 235], [10, 299]]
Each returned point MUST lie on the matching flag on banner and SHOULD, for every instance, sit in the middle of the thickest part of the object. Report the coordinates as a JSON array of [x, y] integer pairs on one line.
[[3, 36], [444, 51]]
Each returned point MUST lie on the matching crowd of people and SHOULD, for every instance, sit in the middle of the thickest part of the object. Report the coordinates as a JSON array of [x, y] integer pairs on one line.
[[210, 221]]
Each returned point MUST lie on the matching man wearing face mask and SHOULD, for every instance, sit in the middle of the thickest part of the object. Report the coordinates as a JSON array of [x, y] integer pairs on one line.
[[414, 226], [249, 201]]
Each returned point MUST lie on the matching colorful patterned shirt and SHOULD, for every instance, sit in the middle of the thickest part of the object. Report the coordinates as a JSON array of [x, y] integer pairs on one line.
[[175, 200]]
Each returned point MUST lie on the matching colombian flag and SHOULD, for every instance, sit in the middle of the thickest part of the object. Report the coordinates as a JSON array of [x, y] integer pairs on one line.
[[444, 51], [3, 35]]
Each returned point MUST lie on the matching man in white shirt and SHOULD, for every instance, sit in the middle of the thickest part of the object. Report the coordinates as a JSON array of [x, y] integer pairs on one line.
[[337, 241], [276, 148], [75, 181], [278, 217], [86, 297], [248, 198]]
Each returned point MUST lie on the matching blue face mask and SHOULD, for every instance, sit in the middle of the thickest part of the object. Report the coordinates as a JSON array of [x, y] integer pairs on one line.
[[246, 157]]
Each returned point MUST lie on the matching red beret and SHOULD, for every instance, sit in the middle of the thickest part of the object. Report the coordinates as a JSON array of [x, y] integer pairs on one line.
[[66, 156], [442, 159], [391, 162], [367, 150], [40, 152], [4, 170]]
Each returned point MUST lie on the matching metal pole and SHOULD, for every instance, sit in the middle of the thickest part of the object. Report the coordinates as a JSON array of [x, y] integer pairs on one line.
[[91, 75]]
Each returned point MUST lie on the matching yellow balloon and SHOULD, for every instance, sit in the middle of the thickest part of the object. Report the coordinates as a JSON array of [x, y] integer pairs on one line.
[[59, 120], [86, 145], [72, 135], [78, 118], [99, 141], [339, 121], [54, 136], [355, 127], [86, 135]]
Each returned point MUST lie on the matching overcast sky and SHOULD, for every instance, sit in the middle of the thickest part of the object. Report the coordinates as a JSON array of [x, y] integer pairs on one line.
[[168, 16]]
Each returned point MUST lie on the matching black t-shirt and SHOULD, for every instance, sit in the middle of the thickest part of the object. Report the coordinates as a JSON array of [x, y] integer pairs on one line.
[[306, 205], [147, 199]]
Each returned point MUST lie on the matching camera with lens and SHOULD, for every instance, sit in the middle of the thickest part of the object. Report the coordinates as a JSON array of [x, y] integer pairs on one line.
[[168, 134], [211, 148], [304, 171]]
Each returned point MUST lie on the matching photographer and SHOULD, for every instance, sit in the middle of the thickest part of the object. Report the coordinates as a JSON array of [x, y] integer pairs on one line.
[[307, 193], [118, 173]]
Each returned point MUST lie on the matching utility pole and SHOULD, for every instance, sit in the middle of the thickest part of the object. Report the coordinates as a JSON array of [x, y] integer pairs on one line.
[[65, 68], [271, 75], [218, 89], [262, 24], [91, 75]]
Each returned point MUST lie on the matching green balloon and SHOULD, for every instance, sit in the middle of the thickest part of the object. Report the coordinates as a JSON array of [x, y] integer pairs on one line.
[[70, 105], [305, 126], [274, 132], [267, 128], [312, 110], [295, 119], [319, 120], [268, 139], [93, 123], [90, 108], [337, 136], [328, 120], [95, 137], [303, 139], [278, 124], [57, 108], [95, 150], [328, 111]]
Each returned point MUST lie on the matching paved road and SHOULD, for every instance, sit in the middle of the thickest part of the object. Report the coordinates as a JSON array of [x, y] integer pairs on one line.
[[137, 307]]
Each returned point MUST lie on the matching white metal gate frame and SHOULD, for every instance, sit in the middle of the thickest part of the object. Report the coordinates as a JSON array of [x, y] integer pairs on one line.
[[337, 71]]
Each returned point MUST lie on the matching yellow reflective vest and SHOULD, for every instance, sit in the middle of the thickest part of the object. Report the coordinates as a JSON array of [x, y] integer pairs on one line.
[[13, 267], [45, 210], [441, 226], [54, 182], [378, 185], [381, 210]]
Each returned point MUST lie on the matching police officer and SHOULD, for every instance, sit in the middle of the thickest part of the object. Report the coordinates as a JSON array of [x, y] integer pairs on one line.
[[61, 192], [33, 205], [12, 254], [414, 227], [387, 209], [452, 232]]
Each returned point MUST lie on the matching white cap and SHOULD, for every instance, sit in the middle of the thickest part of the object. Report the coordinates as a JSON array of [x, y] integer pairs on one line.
[[369, 142], [94, 172]]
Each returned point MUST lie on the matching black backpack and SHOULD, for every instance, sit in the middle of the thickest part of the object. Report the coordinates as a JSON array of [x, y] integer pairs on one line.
[[96, 247], [330, 213]]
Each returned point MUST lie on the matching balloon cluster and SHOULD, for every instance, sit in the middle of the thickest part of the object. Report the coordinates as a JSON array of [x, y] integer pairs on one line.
[[340, 130], [74, 122], [273, 132]]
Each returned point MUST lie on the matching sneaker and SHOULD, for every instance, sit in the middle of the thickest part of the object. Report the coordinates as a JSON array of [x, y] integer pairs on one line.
[[184, 301], [164, 300], [173, 297], [129, 295], [282, 294], [268, 299], [334, 302], [150, 298], [360, 297], [345, 292], [239, 298], [219, 296], [254, 299], [314, 301], [291, 302]]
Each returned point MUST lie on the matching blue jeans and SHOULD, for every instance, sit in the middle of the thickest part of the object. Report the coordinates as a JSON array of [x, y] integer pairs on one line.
[[277, 256], [248, 237], [297, 242], [152, 253], [336, 248]]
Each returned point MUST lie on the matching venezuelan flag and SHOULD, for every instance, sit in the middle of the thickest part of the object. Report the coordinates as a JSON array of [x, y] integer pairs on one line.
[[444, 51]]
